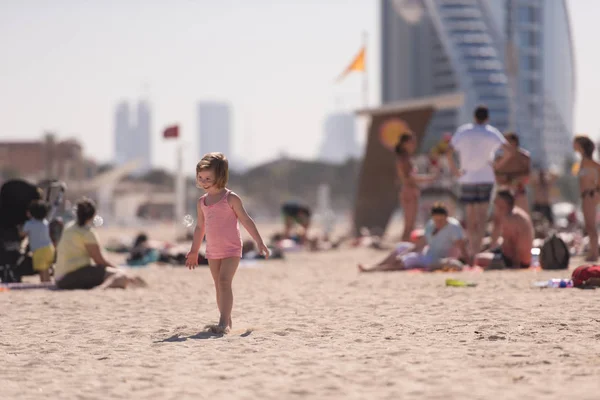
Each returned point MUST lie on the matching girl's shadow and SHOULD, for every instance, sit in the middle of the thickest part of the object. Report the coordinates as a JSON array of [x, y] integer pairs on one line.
[[203, 335]]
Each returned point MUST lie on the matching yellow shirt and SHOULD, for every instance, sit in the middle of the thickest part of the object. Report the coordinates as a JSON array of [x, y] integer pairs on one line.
[[71, 253]]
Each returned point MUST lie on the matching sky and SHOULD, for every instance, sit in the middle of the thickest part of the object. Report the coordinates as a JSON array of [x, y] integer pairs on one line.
[[65, 64]]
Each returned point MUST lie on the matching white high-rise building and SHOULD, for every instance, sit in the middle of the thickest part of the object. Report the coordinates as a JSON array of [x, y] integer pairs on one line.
[[515, 56], [339, 138], [123, 138], [214, 128], [143, 149], [133, 137]]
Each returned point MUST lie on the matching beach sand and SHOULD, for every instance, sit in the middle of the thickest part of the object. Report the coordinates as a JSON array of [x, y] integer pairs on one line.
[[306, 327]]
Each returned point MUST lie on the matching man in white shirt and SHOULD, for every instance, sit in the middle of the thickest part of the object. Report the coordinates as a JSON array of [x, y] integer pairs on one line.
[[476, 145]]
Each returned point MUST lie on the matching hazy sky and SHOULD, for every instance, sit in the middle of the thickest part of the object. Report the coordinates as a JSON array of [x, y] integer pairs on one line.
[[66, 63]]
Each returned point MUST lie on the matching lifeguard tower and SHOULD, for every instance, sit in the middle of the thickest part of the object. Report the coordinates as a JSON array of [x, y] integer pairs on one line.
[[377, 195]]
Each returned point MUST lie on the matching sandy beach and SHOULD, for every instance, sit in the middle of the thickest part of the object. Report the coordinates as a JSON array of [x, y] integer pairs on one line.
[[306, 327]]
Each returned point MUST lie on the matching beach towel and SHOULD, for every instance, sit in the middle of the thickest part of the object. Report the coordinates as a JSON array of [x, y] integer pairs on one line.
[[4, 287]]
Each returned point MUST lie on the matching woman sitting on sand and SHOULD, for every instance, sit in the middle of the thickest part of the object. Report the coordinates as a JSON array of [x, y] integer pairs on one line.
[[76, 250], [444, 238]]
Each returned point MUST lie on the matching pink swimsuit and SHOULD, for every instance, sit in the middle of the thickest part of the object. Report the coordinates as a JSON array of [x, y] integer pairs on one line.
[[223, 239]]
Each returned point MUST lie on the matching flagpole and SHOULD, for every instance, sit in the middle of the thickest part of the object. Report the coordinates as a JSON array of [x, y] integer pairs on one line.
[[365, 82], [179, 187]]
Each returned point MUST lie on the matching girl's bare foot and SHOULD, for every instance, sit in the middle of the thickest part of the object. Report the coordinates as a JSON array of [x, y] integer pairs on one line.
[[218, 329], [225, 330], [212, 328]]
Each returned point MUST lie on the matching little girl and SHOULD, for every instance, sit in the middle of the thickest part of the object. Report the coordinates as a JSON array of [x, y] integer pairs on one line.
[[218, 213]]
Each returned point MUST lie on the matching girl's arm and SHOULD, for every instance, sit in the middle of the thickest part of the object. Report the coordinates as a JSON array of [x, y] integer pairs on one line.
[[236, 204], [192, 257]]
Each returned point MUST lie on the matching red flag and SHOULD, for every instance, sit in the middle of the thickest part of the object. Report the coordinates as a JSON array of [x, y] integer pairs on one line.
[[171, 132]]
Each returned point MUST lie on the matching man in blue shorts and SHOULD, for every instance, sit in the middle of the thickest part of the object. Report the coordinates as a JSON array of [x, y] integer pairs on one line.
[[476, 144]]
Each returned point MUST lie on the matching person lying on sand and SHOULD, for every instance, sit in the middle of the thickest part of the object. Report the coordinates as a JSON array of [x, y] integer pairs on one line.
[[443, 238], [517, 235]]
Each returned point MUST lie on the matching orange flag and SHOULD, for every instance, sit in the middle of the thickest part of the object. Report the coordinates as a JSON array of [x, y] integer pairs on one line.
[[357, 64]]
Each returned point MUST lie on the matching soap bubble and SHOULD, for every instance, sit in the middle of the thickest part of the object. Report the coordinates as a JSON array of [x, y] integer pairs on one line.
[[98, 221], [188, 221]]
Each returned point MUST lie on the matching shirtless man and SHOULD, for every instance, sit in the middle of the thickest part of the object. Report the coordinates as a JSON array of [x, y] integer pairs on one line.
[[512, 168], [517, 161], [517, 236], [542, 183]]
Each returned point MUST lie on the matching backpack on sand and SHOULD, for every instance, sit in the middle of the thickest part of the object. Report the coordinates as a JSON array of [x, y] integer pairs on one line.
[[586, 276], [554, 254]]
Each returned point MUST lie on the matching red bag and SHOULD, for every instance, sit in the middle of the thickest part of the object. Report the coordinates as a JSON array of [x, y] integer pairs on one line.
[[582, 275]]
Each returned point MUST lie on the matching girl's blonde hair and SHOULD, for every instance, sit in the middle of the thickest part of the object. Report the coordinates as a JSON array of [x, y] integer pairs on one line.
[[218, 163]]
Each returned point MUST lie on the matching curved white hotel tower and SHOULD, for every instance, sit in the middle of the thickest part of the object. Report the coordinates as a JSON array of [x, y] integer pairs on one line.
[[515, 56]]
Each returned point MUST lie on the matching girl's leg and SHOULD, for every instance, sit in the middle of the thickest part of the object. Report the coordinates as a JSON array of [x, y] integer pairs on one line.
[[227, 271], [410, 207], [215, 270], [45, 276], [588, 205]]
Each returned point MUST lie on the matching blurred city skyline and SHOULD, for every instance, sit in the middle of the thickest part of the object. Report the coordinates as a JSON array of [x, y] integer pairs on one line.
[[68, 65]]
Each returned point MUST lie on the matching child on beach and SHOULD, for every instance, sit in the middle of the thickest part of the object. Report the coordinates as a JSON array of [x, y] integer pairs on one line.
[[36, 229], [218, 213]]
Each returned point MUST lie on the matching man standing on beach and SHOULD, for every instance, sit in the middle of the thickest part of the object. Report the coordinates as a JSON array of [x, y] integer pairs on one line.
[[512, 169], [517, 236], [476, 144]]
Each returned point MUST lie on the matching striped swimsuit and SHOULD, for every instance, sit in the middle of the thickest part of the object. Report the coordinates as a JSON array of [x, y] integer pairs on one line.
[[223, 239]]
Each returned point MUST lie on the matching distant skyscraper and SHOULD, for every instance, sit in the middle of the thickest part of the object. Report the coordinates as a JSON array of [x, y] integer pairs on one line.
[[123, 140], [214, 128], [143, 148], [133, 139], [515, 56], [339, 138]]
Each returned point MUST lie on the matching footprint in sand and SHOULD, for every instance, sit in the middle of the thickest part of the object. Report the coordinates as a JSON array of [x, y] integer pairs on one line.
[[219, 330], [216, 329]]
